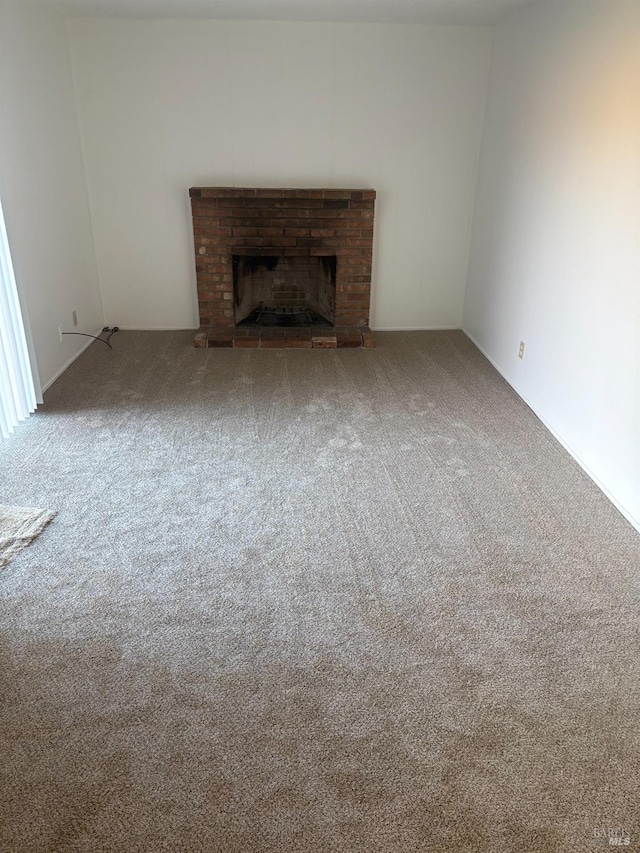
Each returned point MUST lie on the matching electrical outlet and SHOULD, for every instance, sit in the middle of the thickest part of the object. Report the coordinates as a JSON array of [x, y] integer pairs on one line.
[[74, 318], [521, 351], [60, 333]]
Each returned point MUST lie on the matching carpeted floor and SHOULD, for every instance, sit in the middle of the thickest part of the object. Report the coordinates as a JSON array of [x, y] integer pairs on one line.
[[341, 600]]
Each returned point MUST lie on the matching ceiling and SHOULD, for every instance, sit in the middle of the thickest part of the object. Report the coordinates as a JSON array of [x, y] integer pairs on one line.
[[373, 11]]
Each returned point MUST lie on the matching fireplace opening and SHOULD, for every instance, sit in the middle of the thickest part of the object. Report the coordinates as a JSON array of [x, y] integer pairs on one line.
[[287, 290]]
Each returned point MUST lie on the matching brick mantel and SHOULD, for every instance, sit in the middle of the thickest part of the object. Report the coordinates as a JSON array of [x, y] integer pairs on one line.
[[304, 222]]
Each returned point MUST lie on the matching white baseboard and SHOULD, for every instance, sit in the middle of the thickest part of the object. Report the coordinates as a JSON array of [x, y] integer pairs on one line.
[[158, 328], [70, 362], [620, 507], [415, 328]]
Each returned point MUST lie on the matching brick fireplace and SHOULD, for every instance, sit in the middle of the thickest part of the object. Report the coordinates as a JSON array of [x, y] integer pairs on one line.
[[297, 260]]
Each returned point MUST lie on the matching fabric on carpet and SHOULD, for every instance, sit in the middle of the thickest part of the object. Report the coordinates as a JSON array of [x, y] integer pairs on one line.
[[299, 600], [19, 526]]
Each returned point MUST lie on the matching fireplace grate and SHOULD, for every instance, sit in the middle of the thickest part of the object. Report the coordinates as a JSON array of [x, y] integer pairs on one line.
[[290, 316]]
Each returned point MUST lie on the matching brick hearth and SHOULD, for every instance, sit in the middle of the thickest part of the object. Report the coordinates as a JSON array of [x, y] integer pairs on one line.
[[283, 222]]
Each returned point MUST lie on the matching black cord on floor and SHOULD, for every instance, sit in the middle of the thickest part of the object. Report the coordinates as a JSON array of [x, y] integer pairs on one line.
[[111, 331]]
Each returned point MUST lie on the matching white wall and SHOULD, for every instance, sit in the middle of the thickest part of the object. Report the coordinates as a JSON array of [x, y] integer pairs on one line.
[[165, 105], [42, 185], [555, 252]]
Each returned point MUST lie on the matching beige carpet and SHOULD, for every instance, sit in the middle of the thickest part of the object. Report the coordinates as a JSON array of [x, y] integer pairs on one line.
[[338, 600], [19, 526]]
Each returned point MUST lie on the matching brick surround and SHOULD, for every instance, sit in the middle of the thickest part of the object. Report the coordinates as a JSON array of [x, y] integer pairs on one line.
[[284, 222]]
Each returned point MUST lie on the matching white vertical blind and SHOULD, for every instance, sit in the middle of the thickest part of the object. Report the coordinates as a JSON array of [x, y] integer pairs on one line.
[[17, 392]]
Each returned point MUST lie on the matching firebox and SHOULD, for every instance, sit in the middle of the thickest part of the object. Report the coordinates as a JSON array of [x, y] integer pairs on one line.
[[281, 290]]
